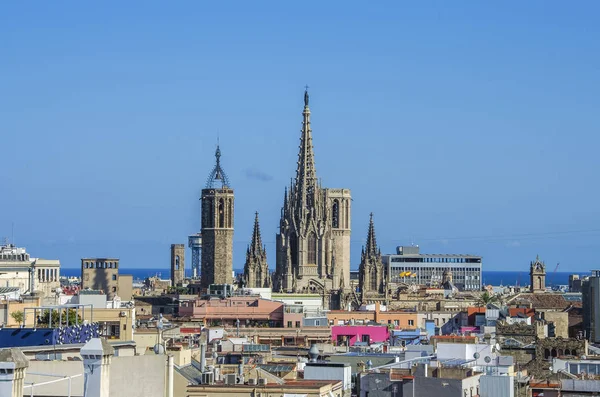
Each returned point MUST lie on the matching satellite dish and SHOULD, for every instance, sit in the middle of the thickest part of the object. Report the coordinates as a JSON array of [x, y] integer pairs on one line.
[[159, 349], [476, 356], [487, 359], [497, 347]]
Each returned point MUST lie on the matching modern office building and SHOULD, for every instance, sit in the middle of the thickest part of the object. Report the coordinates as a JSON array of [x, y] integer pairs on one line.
[[428, 269], [591, 306]]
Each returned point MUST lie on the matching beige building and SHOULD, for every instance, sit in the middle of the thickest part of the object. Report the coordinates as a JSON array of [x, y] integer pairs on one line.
[[313, 243], [19, 269], [103, 274], [262, 387], [116, 324]]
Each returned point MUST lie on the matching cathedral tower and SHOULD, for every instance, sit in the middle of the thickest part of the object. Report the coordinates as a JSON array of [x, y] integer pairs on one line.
[[177, 264], [217, 228], [256, 269], [313, 243], [537, 275], [371, 270]]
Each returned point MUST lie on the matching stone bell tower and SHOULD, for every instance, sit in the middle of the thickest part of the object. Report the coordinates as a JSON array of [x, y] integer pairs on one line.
[[537, 274], [217, 228], [177, 264]]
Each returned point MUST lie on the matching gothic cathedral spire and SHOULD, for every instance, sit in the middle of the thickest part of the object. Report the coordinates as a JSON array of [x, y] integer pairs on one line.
[[371, 246], [371, 269], [256, 269], [305, 187]]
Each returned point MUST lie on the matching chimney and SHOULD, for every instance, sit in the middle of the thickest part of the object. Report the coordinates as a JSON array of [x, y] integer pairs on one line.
[[96, 355], [13, 364]]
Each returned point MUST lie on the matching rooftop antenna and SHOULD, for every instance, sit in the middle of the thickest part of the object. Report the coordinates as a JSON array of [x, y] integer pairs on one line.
[[12, 237]]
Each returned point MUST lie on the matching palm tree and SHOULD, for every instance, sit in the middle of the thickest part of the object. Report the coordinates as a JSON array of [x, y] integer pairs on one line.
[[486, 298]]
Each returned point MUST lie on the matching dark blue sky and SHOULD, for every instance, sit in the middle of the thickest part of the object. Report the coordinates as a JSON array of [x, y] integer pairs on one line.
[[465, 127]]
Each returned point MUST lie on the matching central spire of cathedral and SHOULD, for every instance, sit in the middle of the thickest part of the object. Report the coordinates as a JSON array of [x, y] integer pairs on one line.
[[305, 185]]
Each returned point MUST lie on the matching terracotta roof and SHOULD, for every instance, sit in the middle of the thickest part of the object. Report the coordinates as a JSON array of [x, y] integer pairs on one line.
[[542, 301]]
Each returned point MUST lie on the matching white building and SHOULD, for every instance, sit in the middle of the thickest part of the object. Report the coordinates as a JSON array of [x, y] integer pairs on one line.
[[19, 269]]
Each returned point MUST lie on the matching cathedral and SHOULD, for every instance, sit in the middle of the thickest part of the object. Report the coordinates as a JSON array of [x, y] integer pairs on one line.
[[313, 243]]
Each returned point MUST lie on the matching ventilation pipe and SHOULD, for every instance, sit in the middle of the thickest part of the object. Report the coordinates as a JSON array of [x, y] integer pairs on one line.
[[202, 357], [170, 375]]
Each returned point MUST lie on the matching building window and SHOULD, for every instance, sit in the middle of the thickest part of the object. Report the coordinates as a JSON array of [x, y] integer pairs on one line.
[[114, 289], [177, 262], [335, 214], [221, 213], [297, 324], [312, 249], [397, 323], [289, 324], [317, 323], [411, 322]]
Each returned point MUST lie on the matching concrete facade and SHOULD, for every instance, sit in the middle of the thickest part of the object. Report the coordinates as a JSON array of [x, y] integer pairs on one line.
[[177, 264], [101, 274], [591, 307]]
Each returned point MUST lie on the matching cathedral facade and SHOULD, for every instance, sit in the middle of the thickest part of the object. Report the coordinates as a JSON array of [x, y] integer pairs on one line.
[[313, 243]]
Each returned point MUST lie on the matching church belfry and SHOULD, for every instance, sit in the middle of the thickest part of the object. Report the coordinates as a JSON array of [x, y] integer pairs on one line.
[[256, 269], [537, 275], [313, 243], [217, 228]]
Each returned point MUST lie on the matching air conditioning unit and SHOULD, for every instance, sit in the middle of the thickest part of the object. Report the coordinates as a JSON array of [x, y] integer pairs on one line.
[[230, 379], [262, 382], [252, 382], [207, 378]]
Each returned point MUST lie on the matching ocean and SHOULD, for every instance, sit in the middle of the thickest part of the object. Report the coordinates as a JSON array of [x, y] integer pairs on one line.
[[492, 277]]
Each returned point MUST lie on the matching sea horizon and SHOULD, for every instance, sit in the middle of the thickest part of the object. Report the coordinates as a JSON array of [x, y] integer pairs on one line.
[[489, 277]]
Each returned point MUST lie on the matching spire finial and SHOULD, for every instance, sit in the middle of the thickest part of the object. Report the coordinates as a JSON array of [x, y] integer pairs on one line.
[[306, 95], [217, 174]]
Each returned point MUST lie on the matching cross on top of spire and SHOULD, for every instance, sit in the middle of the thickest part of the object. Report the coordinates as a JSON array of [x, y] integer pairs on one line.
[[306, 95]]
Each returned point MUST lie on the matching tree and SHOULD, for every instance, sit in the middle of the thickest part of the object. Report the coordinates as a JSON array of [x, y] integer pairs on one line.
[[486, 298], [69, 317], [18, 316]]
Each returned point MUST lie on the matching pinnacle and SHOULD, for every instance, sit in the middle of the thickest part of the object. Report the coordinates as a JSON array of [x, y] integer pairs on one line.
[[371, 248]]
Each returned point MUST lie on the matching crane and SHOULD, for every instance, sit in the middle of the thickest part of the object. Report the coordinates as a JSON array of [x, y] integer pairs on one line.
[[554, 273]]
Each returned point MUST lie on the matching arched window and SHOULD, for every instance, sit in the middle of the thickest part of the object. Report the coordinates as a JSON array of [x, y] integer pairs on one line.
[[293, 241], [335, 214], [221, 213], [230, 213], [312, 249], [177, 262]]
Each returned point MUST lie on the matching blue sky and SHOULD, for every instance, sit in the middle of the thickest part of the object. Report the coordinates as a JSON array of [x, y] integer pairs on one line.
[[466, 127]]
